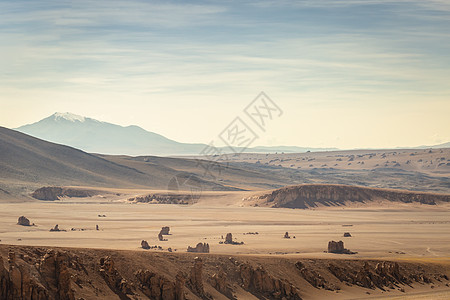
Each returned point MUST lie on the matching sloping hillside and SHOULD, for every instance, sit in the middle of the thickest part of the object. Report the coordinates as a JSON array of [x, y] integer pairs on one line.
[[313, 195], [28, 163]]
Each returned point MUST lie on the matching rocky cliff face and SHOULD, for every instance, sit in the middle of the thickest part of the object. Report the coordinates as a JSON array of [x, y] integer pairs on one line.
[[68, 274], [313, 195]]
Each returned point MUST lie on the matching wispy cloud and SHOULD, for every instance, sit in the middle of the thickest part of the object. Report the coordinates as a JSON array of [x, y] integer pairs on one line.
[[327, 52]]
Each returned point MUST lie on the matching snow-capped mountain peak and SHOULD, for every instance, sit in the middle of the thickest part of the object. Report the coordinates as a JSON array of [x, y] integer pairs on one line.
[[69, 117]]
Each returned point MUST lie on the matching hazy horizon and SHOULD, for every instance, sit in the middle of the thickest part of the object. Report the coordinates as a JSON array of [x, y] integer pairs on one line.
[[347, 74]]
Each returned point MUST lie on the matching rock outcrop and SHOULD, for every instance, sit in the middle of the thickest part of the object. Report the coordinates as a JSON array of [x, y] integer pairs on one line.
[[196, 279], [23, 221], [165, 230], [313, 277], [159, 287], [219, 282], [229, 240], [377, 275], [40, 273], [56, 228], [260, 282], [312, 195], [200, 248], [50, 193], [145, 245], [161, 237], [113, 278], [338, 247], [48, 278]]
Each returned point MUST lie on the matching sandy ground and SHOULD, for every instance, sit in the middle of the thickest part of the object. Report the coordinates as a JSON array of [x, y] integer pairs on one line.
[[414, 232], [435, 162]]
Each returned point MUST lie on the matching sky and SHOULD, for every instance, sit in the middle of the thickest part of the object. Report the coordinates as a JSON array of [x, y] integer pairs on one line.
[[345, 73]]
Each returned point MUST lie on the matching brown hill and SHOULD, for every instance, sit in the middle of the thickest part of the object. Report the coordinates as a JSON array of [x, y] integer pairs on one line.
[[313, 195], [28, 163]]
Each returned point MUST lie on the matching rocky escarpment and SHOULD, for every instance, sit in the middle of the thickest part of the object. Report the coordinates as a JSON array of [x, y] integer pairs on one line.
[[54, 193], [46, 273], [313, 195]]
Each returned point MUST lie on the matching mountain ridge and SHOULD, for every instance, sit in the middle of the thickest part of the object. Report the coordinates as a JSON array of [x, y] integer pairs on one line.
[[96, 136]]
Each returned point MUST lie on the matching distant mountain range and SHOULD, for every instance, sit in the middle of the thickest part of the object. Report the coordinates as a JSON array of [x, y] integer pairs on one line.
[[94, 136]]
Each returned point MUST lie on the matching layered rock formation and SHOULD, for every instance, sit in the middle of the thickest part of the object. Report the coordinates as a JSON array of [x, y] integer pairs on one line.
[[196, 279], [48, 277], [156, 286], [261, 282], [42, 273], [313, 195]]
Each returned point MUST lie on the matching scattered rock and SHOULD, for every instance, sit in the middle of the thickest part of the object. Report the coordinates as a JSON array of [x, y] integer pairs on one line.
[[23, 221]]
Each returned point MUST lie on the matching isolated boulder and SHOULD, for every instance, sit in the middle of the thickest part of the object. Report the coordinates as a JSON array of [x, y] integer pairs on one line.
[[56, 228], [145, 245], [286, 235], [229, 239], [23, 221], [347, 234]]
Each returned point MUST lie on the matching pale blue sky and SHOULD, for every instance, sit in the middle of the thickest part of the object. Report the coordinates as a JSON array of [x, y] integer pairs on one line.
[[347, 73]]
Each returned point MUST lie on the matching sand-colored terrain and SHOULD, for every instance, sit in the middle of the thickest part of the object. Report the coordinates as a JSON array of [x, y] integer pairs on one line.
[[392, 230]]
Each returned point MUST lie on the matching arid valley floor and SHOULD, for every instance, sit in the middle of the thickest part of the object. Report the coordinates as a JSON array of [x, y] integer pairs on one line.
[[282, 210]]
